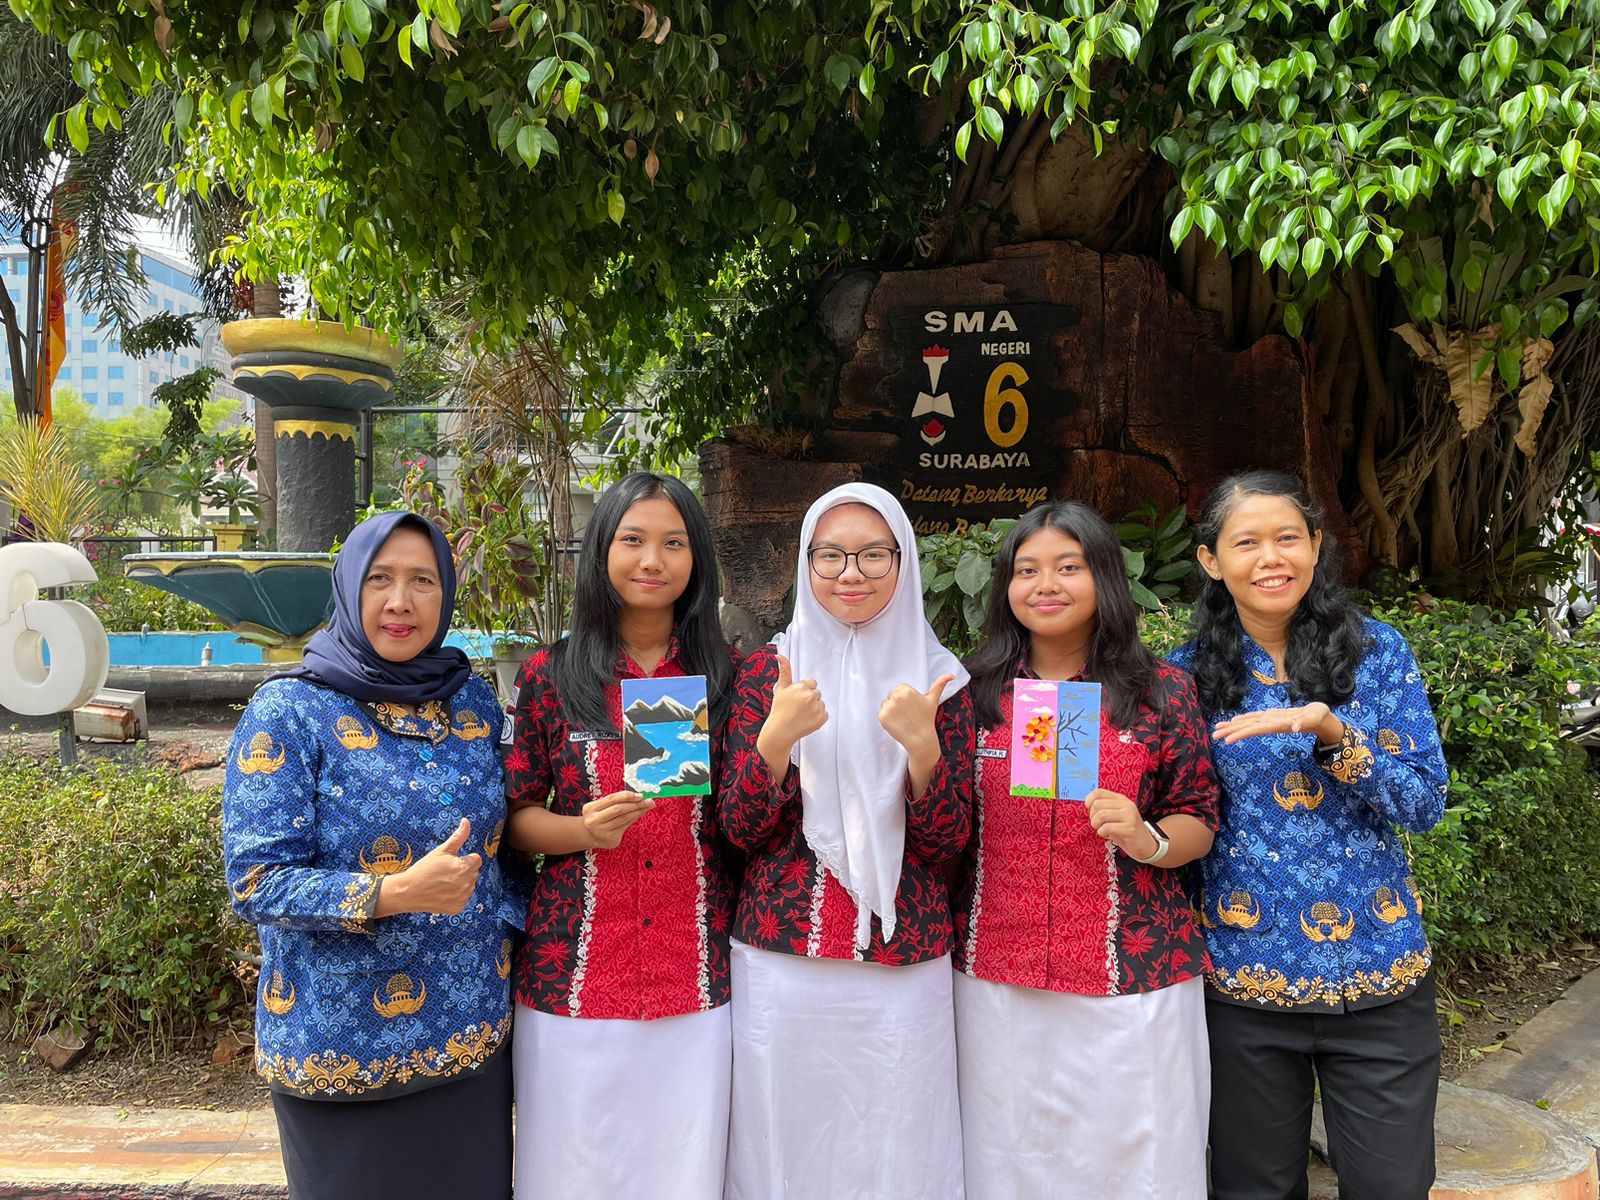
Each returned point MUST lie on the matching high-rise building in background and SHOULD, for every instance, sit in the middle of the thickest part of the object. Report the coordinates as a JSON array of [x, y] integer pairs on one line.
[[96, 366]]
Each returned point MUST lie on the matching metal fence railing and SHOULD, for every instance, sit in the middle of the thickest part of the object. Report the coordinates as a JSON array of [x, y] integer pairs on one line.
[[107, 553]]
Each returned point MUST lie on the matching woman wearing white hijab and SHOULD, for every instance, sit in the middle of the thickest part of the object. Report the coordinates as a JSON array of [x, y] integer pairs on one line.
[[850, 748]]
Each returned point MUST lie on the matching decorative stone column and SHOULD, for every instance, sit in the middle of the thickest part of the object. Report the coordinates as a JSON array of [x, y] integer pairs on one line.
[[317, 378]]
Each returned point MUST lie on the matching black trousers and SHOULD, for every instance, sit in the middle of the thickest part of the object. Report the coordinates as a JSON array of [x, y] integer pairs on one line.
[[1379, 1073], [451, 1140]]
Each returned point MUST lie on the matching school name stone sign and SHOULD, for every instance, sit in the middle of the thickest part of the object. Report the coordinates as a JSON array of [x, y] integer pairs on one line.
[[979, 388]]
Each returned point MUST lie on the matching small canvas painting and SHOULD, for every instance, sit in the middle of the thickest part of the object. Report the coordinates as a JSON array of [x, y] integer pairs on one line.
[[1055, 739], [1033, 738], [665, 738]]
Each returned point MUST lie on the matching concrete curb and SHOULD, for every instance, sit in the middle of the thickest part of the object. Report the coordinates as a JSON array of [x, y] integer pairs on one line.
[[96, 1152], [1554, 1059], [194, 684]]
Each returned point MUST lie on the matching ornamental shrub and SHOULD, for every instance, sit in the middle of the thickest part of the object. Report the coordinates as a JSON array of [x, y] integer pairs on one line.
[[113, 910], [126, 606], [1511, 866]]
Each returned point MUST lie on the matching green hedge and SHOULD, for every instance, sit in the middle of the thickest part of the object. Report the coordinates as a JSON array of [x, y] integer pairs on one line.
[[113, 912], [1511, 867]]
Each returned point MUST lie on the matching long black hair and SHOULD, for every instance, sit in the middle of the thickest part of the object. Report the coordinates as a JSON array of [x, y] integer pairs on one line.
[[1326, 635], [584, 664], [1117, 660]]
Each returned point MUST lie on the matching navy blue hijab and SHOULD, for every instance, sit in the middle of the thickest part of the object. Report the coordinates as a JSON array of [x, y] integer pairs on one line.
[[340, 656]]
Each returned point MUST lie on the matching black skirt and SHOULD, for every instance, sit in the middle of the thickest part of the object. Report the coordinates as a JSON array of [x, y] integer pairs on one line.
[[445, 1141]]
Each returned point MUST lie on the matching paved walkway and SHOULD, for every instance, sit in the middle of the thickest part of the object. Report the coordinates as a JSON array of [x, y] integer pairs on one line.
[[1524, 1125], [68, 1151]]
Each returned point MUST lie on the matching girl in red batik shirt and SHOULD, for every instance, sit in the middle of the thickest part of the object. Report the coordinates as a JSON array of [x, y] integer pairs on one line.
[[1080, 1019], [849, 777], [621, 1043]]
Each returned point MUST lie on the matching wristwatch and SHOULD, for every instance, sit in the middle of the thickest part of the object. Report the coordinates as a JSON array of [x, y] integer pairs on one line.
[[1163, 844]]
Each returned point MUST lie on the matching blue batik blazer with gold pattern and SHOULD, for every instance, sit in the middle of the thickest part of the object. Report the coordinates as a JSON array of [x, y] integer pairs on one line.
[[324, 797], [1308, 899]]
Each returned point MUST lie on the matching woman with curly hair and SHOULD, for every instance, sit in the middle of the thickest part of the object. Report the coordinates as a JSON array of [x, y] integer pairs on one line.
[[1327, 748]]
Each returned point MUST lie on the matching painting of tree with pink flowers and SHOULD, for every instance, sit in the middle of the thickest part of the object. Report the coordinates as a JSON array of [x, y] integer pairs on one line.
[[1033, 738]]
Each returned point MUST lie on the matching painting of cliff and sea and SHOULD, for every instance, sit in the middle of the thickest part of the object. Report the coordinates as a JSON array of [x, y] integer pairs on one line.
[[665, 738]]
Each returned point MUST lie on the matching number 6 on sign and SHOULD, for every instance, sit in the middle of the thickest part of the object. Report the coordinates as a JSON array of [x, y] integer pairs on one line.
[[997, 398], [80, 656]]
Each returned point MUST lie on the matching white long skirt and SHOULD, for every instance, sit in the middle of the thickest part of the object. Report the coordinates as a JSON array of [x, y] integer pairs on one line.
[[844, 1080], [1083, 1097], [622, 1109]]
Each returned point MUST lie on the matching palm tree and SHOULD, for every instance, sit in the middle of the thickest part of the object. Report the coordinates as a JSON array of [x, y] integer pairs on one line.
[[104, 190]]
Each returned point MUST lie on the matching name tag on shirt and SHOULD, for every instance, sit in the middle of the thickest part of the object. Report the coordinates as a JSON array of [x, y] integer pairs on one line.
[[593, 735], [985, 752]]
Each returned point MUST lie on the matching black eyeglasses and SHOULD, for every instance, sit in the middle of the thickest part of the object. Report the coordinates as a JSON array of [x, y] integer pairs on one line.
[[874, 562]]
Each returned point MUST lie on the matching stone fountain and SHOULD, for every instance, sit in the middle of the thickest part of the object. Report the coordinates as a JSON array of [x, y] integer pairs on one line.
[[315, 378]]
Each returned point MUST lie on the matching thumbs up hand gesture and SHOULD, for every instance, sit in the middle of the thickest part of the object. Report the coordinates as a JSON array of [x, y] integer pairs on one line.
[[797, 708], [441, 881], [909, 715]]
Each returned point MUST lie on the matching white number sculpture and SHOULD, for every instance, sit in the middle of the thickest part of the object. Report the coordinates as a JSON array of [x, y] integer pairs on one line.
[[80, 656]]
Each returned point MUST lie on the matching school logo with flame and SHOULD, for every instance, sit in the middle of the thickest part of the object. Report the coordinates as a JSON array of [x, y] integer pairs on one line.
[[933, 404]]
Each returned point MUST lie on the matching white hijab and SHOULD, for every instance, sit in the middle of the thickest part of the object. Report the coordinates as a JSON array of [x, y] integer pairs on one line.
[[852, 773]]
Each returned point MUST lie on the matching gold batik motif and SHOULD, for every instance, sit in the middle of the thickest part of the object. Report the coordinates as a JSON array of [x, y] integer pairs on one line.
[[353, 734], [401, 998], [1259, 983], [386, 859], [1298, 792], [1389, 740], [1387, 906], [1240, 910], [431, 720], [1350, 759], [249, 883], [273, 997], [260, 759], [360, 897], [469, 726], [1410, 882], [332, 1072], [1328, 922]]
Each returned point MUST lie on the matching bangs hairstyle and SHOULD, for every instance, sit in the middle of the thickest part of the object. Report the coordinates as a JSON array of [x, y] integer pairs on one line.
[[1326, 636], [1118, 660], [584, 664]]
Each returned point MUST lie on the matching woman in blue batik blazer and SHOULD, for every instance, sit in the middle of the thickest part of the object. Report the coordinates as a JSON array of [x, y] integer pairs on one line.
[[362, 813], [1326, 748]]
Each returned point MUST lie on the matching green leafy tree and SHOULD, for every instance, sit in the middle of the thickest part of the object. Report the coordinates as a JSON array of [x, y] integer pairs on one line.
[[101, 187], [677, 188]]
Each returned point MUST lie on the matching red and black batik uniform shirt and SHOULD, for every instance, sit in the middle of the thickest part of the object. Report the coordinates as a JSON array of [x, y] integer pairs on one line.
[[1045, 902], [790, 904], [635, 933]]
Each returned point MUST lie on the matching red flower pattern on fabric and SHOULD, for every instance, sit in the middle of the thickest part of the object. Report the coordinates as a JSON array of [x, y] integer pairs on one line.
[[762, 816], [639, 932], [1044, 902]]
